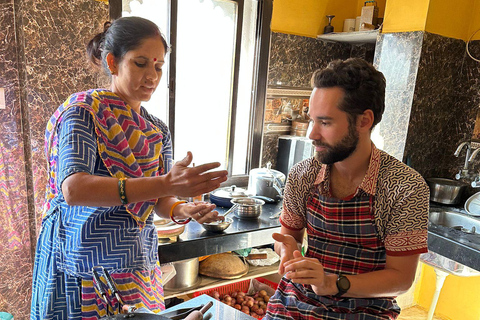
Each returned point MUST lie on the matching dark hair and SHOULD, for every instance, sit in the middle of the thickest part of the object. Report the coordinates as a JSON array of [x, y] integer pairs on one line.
[[120, 36], [363, 85]]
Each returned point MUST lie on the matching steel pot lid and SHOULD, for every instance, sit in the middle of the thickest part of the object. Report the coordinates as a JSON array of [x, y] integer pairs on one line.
[[230, 192], [472, 205]]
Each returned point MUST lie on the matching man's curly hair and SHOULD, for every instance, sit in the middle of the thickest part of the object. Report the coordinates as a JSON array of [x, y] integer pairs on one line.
[[363, 85]]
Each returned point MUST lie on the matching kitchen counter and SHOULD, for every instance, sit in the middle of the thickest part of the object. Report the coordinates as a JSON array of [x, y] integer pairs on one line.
[[196, 241], [219, 310], [454, 244]]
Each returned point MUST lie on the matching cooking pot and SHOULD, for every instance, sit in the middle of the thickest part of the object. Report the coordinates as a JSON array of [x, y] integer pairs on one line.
[[446, 191], [186, 274], [266, 182], [222, 196], [248, 208]]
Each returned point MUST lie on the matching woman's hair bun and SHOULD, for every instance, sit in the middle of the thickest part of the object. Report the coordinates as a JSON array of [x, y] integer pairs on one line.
[[106, 25], [95, 46]]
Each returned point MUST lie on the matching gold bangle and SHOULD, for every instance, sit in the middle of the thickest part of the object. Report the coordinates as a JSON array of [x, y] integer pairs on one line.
[[185, 221]]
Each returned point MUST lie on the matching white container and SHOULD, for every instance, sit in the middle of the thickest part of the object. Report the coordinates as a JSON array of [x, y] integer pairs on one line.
[[349, 25], [357, 23]]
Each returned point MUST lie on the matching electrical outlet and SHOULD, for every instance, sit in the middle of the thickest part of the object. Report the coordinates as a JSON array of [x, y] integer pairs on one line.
[[2, 98]]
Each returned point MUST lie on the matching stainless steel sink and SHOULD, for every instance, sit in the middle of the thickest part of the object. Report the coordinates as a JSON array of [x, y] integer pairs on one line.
[[455, 220]]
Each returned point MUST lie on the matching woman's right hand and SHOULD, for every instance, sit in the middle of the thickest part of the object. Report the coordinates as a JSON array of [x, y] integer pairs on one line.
[[287, 244], [185, 181]]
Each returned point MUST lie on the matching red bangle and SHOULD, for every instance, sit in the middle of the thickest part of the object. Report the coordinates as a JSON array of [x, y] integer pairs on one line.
[[184, 221]]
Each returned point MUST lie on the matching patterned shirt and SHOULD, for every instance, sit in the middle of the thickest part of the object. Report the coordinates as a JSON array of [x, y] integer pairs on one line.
[[400, 206]]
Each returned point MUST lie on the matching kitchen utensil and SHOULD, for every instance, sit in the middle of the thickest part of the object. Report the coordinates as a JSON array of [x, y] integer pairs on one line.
[[472, 205], [217, 226], [181, 313], [248, 208], [222, 196], [198, 315], [446, 191], [136, 316], [266, 182], [276, 215], [186, 274], [266, 199], [255, 256]]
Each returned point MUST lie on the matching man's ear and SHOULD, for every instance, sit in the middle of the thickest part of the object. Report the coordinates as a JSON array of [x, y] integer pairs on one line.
[[365, 120]]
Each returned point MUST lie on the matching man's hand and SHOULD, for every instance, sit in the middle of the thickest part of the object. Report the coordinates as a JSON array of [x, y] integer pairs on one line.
[[310, 271], [287, 245]]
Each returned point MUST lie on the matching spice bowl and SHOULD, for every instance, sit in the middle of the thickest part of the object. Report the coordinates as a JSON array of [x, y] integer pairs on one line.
[[217, 226]]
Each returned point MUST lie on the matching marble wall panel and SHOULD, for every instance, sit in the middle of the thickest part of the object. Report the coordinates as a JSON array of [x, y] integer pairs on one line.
[[442, 112], [397, 56], [7, 33], [42, 61], [294, 58], [15, 229], [364, 51], [56, 66]]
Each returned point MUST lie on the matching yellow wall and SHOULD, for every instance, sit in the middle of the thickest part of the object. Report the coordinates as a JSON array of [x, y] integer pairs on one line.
[[450, 19], [458, 19], [307, 17], [475, 25], [405, 15], [459, 297]]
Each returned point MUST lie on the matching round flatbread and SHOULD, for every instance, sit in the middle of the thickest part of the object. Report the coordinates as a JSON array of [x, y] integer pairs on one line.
[[223, 266]]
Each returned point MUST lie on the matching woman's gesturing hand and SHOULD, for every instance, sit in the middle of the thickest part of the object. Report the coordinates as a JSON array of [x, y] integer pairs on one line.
[[187, 181], [202, 212]]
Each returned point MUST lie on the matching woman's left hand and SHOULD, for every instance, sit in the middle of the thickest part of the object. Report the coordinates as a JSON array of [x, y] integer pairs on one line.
[[202, 212]]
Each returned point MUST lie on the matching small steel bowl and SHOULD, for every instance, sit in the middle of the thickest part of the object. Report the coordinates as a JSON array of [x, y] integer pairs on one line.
[[217, 226], [248, 208]]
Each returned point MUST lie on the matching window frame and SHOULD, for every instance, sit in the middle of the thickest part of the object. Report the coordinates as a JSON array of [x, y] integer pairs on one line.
[[259, 83]]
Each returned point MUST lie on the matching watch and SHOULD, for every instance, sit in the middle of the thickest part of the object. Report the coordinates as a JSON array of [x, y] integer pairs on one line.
[[343, 284]]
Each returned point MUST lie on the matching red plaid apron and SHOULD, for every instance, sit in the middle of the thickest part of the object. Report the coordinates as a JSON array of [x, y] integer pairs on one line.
[[343, 237]]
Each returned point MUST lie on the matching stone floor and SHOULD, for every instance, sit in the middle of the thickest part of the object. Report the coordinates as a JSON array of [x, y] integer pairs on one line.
[[416, 313]]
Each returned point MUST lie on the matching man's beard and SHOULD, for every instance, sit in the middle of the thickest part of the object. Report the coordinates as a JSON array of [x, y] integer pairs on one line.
[[340, 151]]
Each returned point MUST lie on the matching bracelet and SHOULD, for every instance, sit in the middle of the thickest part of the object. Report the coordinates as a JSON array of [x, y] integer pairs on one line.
[[184, 221], [121, 190]]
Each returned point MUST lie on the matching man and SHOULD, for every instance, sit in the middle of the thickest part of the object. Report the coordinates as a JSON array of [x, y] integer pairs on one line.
[[365, 213]]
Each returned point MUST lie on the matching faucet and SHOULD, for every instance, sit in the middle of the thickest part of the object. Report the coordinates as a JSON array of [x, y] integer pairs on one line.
[[476, 182], [463, 173]]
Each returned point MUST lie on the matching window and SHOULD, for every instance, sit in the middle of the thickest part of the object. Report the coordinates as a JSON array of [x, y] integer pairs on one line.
[[212, 95]]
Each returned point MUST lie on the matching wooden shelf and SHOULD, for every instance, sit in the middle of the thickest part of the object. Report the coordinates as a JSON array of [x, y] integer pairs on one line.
[[356, 37], [206, 283]]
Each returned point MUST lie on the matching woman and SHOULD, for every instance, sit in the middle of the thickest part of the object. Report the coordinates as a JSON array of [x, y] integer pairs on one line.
[[108, 171]]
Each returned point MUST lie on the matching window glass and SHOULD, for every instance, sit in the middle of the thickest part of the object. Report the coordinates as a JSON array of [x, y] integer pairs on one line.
[[205, 56], [156, 11], [206, 32]]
